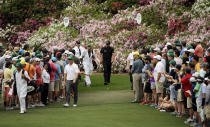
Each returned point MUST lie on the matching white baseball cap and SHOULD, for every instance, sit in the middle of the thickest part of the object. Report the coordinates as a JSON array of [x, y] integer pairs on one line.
[[202, 73], [164, 49], [197, 40], [71, 53], [66, 52], [15, 59], [7, 57], [207, 79], [196, 74], [191, 50], [157, 49], [168, 43], [185, 50], [37, 59], [192, 79], [158, 57]]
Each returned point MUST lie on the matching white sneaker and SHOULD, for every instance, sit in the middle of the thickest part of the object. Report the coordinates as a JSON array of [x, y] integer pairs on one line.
[[189, 120], [11, 108], [66, 105], [74, 105], [37, 105], [162, 110], [33, 106], [41, 105], [22, 112]]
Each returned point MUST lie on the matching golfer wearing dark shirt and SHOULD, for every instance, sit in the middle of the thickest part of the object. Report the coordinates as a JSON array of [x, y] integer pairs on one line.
[[107, 59]]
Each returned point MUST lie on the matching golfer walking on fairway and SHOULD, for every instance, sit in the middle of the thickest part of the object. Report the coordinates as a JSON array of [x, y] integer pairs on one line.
[[71, 73], [107, 53]]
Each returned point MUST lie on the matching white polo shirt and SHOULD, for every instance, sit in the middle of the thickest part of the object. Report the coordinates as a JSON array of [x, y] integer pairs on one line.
[[159, 68], [71, 71], [130, 58]]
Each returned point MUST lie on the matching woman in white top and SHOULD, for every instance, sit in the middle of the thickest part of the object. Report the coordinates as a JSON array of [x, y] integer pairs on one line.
[[46, 81]]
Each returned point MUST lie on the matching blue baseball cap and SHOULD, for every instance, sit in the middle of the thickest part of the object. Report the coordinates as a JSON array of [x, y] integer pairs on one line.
[[21, 51], [54, 59]]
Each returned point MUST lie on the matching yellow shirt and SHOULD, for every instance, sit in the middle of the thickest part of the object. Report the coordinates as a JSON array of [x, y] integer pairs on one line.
[[7, 76], [197, 67]]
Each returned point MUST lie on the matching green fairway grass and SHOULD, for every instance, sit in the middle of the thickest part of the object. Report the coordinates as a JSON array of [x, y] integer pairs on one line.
[[98, 106]]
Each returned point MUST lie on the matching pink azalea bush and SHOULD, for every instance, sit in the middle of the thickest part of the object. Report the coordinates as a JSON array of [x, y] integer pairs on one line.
[[162, 21]]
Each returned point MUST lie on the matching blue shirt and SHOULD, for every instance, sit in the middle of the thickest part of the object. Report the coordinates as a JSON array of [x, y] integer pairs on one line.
[[137, 66], [182, 52], [190, 58], [57, 72]]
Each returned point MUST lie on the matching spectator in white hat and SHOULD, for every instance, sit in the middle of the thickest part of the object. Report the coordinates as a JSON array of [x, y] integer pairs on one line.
[[158, 75], [7, 59], [157, 49], [191, 53], [14, 62]]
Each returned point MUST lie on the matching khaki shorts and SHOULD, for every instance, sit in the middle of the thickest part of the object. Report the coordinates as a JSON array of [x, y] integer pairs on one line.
[[159, 87], [189, 102], [180, 96], [51, 87], [61, 86], [198, 108], [57, 86]]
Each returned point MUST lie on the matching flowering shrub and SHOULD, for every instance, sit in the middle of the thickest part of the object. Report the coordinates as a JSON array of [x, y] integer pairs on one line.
[[16, 11], [197, 26], [143, 2], [162, 21], [201, 8], [27, 16], [53, 35], [174, 27]]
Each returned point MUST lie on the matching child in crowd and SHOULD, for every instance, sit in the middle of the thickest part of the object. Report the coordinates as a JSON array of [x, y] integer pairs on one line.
[[166, 104]]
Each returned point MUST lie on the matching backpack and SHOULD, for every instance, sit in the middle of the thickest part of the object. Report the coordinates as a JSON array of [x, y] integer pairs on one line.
[[32, 84]]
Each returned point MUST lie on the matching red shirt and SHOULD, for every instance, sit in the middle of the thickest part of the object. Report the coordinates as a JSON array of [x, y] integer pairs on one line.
[[38, 75], [52, 73], [199, 51], [186, 85]]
